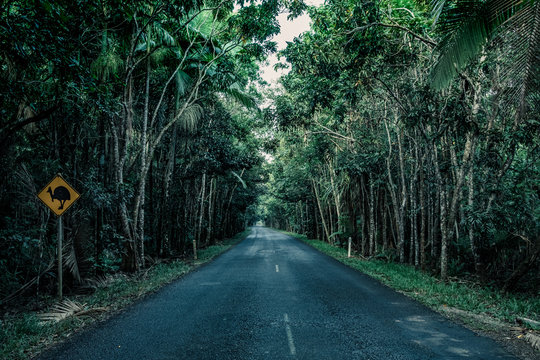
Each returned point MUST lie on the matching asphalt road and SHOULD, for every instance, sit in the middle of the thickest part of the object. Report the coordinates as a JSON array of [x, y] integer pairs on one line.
[[273, 297]]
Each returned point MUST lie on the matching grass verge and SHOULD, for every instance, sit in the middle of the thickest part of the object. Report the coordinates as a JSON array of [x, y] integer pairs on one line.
[[464, 297], [25, 335]]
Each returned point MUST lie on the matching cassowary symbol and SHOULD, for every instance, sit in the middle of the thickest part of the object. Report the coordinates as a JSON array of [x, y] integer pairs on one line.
[[61, 194]]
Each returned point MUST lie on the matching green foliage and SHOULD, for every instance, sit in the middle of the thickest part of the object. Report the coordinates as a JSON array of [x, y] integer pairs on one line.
[[75, 101], [467, 26], [366, 146]]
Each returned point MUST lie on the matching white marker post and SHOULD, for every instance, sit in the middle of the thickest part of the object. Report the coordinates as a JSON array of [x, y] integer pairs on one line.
[[349, 248]]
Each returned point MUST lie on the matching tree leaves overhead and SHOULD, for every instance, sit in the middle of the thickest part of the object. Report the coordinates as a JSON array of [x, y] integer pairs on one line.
[[520, 37], [468, 25]]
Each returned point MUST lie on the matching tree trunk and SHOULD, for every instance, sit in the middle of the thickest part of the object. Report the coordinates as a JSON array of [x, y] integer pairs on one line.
[[371, 217], [384, 229], [211, 204], [166, 247], [399, 206], [422, 217], [441, 190], [201, 214], [325, 227], [472, 240], [337, 199], [403, 205]]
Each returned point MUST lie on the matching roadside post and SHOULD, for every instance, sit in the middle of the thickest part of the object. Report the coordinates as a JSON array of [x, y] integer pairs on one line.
[[59, 190], [349, 247]]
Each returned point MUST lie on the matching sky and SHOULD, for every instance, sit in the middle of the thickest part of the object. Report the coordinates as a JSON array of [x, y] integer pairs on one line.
[[289, 30]]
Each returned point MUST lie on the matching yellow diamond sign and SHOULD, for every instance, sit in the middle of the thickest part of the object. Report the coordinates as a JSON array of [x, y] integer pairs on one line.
[[58, 195]]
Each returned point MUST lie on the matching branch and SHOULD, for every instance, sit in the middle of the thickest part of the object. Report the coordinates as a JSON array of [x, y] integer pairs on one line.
[[12, 128], [403, 28], [392, 94]]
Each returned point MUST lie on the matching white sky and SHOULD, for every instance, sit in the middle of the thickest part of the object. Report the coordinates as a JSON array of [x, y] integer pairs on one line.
[[289, 30]]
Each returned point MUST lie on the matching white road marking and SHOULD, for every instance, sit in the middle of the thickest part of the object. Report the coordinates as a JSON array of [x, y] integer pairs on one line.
[[292, 348], [277, 268]]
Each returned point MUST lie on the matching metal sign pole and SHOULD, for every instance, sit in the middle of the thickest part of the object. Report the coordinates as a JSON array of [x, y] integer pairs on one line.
[[58, 196], [60, 239]]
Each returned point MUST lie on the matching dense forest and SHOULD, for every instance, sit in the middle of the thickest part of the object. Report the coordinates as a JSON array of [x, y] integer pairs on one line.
[[410, 127], [414, 130], [147, 109]]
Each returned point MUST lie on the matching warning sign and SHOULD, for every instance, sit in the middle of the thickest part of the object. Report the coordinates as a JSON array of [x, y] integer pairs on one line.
[[58, 195]]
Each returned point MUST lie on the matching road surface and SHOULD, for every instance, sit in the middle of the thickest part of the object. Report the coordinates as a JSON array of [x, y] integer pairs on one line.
[[273, 297]]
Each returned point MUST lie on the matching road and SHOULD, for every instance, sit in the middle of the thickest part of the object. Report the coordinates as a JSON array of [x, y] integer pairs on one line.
[[273, 297]]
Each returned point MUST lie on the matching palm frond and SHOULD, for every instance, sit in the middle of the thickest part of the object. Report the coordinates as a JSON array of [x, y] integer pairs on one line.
[[62, 310], [67, 308], [162, 36], [533, 339], [465, 37], [105, 281], [437, 7], [240, 179], [189, 120], [106, 65], [467, 26], [202, 25], [521, 41], [71, 262], [183, 80], [235, 93]]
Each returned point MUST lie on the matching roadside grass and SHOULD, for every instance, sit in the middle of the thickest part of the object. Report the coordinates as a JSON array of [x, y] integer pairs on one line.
[[440, 296], [25, 335]]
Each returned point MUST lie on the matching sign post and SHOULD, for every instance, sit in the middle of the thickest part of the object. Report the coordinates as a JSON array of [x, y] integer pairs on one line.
[[59, 190], [59, 251]]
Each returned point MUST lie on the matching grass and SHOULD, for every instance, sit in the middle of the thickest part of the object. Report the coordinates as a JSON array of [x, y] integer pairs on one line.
[[25, 335], [436, 294]]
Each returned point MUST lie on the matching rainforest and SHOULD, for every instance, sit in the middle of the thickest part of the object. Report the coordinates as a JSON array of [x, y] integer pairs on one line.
[[409, 128]]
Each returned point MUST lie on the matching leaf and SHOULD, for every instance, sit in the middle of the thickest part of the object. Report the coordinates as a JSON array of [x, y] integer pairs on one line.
[[189, 119], [521, 76], [240, 179], [62, 310], [533, 339], [182, 82], [236, 94], [67, 308], [467, 30], [467, 26], [71, 262]]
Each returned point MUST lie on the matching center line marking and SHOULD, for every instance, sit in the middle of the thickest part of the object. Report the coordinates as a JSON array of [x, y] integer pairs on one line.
[[277, 268], [292, 348]]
